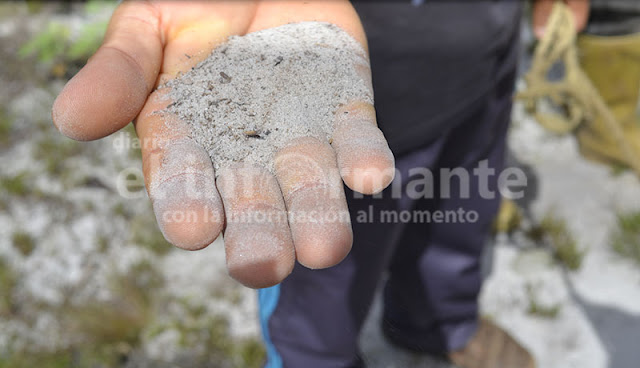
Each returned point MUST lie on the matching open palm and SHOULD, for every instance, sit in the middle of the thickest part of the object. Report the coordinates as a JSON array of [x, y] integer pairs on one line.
[[149, 43]]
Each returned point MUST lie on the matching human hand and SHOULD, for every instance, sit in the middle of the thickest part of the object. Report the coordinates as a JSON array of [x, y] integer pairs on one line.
[[149, 43], [542, 10]]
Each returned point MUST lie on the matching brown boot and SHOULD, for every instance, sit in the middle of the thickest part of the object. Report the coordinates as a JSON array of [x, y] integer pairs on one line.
[[492, 347]]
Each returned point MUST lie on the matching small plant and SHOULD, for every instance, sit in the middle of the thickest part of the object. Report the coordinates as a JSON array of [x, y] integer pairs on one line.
[[509, 217], [102, 243], [144, 232], [65, 51], [54, 151], [121, 210], [211, 333], [49, 44], [537, 309], [553, 232], [250, 353], [18, 185], [23, 242], [8, 280], [25, 359], [6, 125], [113, 328], [626, 239]]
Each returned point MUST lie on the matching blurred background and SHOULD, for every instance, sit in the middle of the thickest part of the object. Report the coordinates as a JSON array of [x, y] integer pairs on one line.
[[87, 280]]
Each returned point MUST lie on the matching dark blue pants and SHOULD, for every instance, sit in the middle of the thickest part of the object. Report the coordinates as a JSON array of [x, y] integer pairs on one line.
[[313, 318]]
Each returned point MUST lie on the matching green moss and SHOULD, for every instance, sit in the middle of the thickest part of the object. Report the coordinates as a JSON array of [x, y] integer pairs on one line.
[[205, 336], [54, 151], [18, 185], [213, 335], [8, 281], [109, 329], [84, 356], [250, 353], [144, 232], [231, 294], [119, 209], [112, 329], [34, 6], [23, 242], [626, 238], [118, 322], [65, 51], [538, 310], [618, 169], [42, 360], [102, 242], [48, 44], [87, 43], [553, 232], [146, 278], [6, 126]]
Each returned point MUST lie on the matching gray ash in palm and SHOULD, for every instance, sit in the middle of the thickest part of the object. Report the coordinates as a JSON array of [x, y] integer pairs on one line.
[[257, 92]]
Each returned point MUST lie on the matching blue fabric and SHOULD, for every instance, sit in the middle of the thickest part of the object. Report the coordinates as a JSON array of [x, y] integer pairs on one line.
[[433, 268], [268, 300], [433, 62]]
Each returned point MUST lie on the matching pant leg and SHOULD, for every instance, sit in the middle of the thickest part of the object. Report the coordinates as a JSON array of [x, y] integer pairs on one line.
[[431, 294], [313, 318]]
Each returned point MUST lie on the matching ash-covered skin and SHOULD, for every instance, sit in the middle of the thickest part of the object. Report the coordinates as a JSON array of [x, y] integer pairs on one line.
[[255, 93]]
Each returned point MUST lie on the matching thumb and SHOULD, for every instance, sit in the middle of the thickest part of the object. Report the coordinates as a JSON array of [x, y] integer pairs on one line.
[[111, 89]]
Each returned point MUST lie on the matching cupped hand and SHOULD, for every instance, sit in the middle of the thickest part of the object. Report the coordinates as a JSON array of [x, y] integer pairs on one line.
[[149, 43]]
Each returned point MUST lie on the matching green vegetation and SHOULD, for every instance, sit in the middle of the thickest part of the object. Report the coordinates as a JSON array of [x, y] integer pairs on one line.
[[538, 310], [23, 242], [208, 338], [62, 49], [120, 209], [102, 243], [509, 217], [109, 331], [34, 6], [76, 357], [41, 360], [54, 151], [6, 126], [231, 294], [618, 169], [553, 231], [119, 320], [18, 185], [8, 280], [49, 44], [219, 345], [113, 328], [626, 239], [144, 232]]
